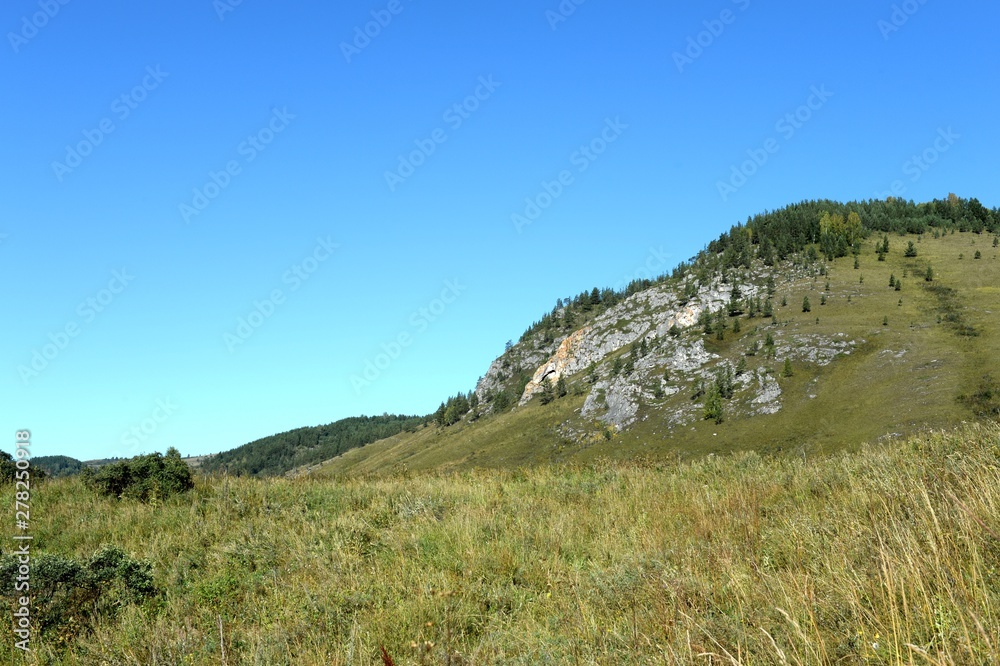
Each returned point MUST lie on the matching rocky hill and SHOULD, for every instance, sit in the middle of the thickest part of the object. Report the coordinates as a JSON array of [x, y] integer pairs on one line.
[[815, 327]]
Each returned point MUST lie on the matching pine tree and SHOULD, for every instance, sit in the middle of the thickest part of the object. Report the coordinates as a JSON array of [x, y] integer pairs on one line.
[[561, 388], [546, 395], [929, 274], [787, 371], [713, 406], [806, 307], [911, 250]]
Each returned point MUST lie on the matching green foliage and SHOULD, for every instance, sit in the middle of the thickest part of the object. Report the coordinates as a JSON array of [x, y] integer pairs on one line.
[[277, 454], [69, 595], [806, 307], [787, 371], [561, 388], [453, 409], [985, 400], [142, 478], [979, 255], [546, 395], [503, 401], [725, 384], [714, 409], [929, 274], [57, 466], [8, 469], [911, 250]]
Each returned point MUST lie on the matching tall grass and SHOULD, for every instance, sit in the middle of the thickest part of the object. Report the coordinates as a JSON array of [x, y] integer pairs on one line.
[[885, 556]]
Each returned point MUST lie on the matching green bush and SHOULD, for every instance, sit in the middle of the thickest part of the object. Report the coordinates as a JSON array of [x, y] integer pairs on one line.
[[142, 478], [8, 469], [68, 595]]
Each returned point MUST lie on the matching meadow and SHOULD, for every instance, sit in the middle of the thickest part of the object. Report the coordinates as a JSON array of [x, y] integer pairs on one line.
[[885, 555]]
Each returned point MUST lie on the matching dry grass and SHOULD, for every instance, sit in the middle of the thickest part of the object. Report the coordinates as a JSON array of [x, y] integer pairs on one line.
[[885, 556]]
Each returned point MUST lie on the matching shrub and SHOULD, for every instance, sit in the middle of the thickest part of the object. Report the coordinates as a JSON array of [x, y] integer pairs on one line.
[[8, 469], [69, 594], [142, 478]]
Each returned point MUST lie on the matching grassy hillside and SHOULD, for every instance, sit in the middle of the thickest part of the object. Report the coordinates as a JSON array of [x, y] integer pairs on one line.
[[920, 350], [890, 555]]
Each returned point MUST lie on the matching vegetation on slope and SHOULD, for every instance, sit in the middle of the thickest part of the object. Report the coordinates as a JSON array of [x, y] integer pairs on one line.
[[280, 453], [890, 555], [58, 465], [926, 357]]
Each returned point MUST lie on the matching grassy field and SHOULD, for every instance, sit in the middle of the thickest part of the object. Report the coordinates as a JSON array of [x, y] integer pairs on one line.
[[888, 555], [901, 379]]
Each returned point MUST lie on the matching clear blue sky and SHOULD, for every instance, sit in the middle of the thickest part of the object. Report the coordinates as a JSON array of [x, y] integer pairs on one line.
[[135, 295]]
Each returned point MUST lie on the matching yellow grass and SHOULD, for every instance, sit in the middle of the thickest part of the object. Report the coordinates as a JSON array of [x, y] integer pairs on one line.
[[889, 555]]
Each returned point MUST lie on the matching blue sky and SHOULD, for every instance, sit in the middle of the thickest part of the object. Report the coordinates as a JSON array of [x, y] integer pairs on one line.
[[424, 192]]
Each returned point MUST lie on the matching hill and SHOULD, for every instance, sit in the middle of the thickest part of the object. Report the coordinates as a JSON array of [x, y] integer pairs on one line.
[[277, 454], [884, 555], [57, 466], [805, 330]]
